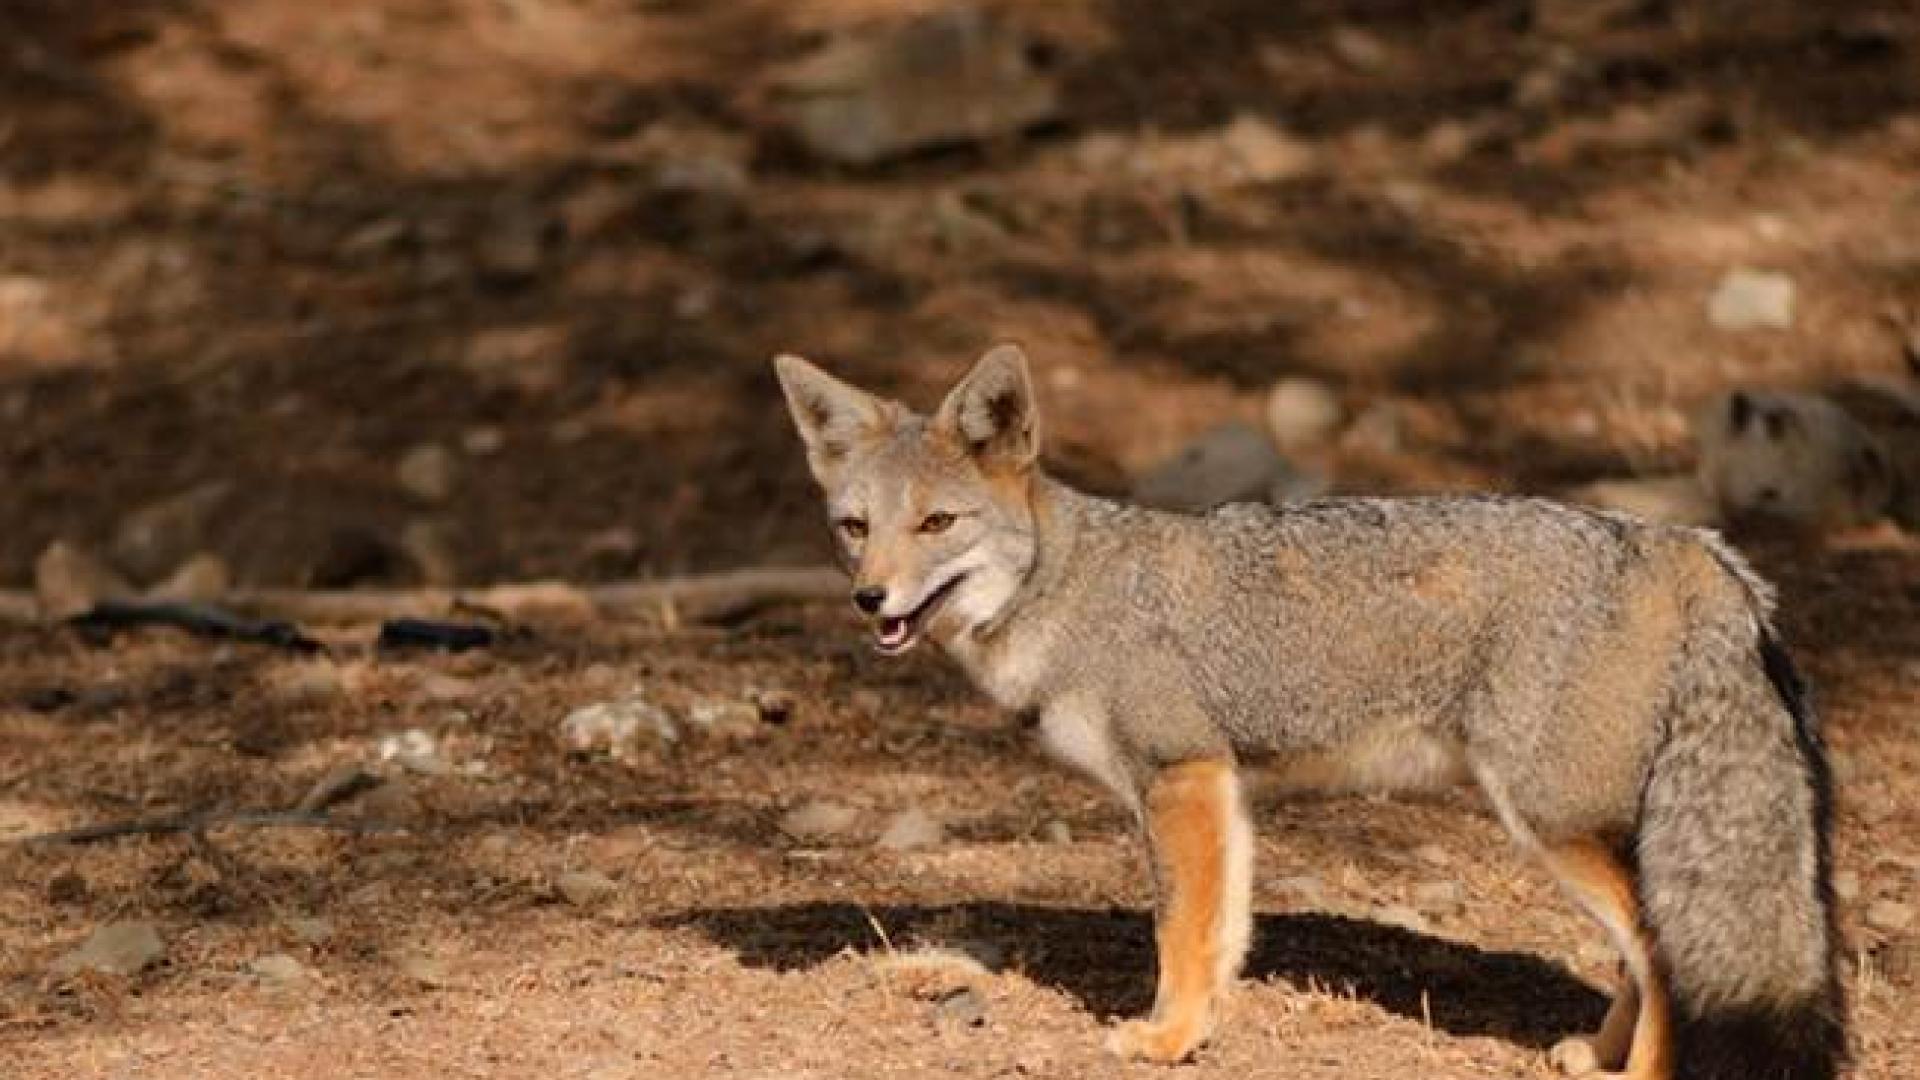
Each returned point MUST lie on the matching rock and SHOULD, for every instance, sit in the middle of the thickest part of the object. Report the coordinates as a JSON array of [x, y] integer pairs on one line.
[[202, 579], [160, 536], [528, 358], [309, 682], [1439, 897], [1057, 832], [585, 888], [415, 750], [954, 75], [1231, 463], [427, 548], [279, 969], [427, 472], [1793, 458], [728, 721], [776, 706], [68, 581], [1846, 886], [964, 1007], [911, 830], [1303, 412], [310, 931], [618, 726], [483, 441], [1752, 299], [820, 821], [425, 968], [1678, 500], [1359, 49], [121, 948], [1890, 916]]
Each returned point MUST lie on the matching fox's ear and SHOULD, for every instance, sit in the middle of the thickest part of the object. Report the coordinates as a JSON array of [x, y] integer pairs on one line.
[[833, 416], [992, 411]]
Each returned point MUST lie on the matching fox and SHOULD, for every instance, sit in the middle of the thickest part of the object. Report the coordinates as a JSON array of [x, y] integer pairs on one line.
[[1615, 688]]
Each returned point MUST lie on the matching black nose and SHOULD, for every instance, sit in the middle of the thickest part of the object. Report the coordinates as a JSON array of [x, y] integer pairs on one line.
[[869, 600]]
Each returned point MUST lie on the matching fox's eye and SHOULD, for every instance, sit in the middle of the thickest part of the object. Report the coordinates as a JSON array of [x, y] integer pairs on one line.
[[937, 522], [852, 527]]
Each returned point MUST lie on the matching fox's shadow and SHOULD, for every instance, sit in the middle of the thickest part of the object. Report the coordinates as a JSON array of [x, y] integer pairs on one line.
[[1105, 959]]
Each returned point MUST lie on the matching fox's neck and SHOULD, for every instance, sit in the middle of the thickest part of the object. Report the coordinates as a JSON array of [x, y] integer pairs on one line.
[[1059, 515]]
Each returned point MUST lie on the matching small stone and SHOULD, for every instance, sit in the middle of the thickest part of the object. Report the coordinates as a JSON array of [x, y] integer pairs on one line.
[[1302, 412], [820, 821], [67, 581], [1057, 832], [618, 726], [122, 948], [425, 968], [1846, 886], [309, 682], [1358, 49], [415, 750], [483, 441], [1752, 299], [279, 969], [1889, 915], [964, 1008], [727, 721], [426, 473], [202, 579], [910, 830], [585, 888], [310, 931]]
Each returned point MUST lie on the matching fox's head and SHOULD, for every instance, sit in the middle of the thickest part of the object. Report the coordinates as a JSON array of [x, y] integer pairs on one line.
[[933, 515]]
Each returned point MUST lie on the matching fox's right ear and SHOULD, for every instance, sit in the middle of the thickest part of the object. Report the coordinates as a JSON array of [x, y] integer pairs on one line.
[[833, 417]]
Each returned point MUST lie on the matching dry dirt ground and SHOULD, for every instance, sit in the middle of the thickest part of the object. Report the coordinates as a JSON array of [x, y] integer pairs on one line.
[[276, 246]]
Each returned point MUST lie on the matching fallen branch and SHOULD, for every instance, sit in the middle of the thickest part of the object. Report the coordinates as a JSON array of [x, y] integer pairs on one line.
[[708, 598]]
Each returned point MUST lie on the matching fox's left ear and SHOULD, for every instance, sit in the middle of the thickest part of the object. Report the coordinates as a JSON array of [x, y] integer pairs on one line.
[[992, 411]]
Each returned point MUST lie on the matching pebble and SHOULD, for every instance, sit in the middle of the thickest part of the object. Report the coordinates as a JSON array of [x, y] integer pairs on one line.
[[426, 472], [819, 820], [964, 1007], [279, 969], [1303, 412], [616, 726], [415, 750], [121, 948], [1057, 832], [910, 830], [585, 888], [1889, 915], [728, 721], [1231, 463], [1749, 299]]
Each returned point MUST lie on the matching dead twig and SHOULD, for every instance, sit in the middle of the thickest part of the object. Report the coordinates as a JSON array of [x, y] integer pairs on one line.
[[194, 823]]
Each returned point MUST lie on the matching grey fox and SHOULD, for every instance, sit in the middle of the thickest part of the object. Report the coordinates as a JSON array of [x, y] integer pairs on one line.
[[1614, 687]]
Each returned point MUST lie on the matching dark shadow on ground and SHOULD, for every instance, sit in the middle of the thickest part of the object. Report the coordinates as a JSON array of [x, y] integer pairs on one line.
[[1105, 959]]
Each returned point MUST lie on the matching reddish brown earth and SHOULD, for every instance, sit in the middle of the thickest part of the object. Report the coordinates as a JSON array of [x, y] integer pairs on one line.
[[278, 245]]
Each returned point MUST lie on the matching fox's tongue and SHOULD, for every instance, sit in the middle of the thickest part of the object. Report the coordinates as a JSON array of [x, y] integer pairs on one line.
[[893, 633]]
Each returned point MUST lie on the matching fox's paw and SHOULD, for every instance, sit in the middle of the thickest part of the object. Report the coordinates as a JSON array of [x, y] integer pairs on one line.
[[1161, 1042]]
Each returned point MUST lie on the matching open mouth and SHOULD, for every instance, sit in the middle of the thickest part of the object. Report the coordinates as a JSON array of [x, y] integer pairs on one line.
[[895, 634]]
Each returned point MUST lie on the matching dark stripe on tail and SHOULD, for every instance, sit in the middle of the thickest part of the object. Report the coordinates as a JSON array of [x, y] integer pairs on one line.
[[1801, 1040]]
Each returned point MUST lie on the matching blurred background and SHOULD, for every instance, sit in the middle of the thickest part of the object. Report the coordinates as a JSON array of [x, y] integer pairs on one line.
[[307, 301], [481, 290]]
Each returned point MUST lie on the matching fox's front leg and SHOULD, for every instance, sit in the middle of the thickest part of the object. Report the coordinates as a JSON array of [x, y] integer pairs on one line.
[[1202, 851]]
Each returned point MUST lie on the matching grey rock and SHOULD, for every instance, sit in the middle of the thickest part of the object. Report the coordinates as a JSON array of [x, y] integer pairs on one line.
[[279, 969], [964, 1008], [953, 75], [121, 948], [1752, 299], [1231, 463]]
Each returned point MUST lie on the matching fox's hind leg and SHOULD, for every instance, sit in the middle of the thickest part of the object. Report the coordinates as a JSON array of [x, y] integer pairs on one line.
[[1202, 851], [1635, 1041]]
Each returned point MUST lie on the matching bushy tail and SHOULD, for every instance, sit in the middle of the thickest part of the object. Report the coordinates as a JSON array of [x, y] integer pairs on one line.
[[1734, 869]]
